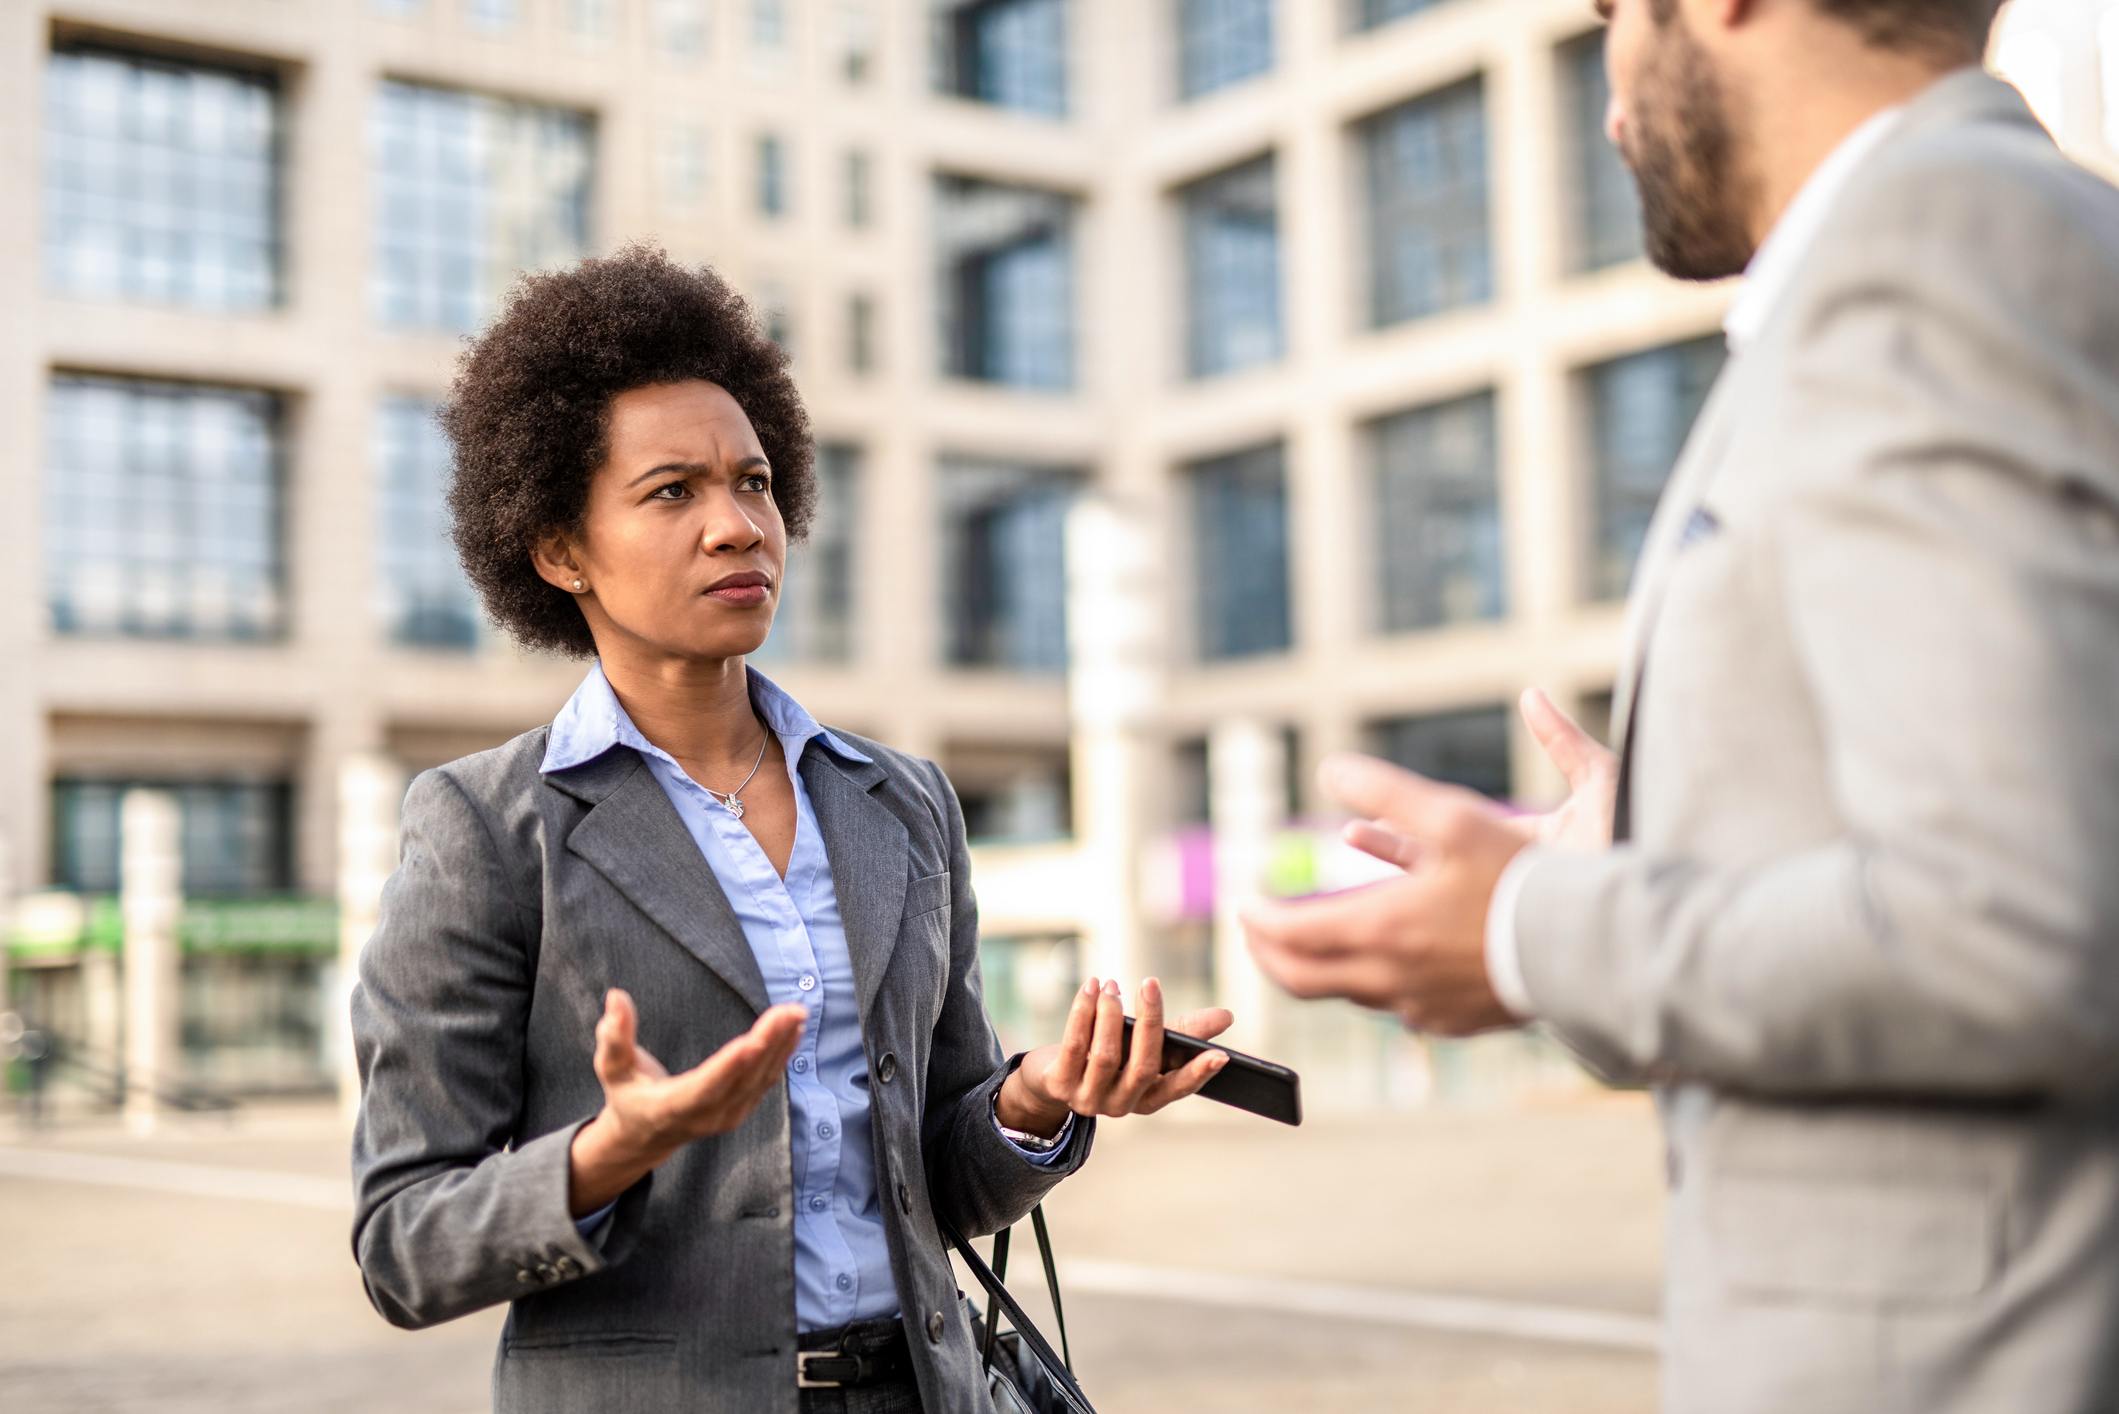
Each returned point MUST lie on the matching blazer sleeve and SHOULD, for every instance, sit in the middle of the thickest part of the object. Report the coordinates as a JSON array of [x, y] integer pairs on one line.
[[1947, 562], [978, 1181], [454, 1208]]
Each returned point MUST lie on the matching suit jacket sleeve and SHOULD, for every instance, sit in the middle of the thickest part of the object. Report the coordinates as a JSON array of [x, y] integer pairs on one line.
[[979, 1182], [1947, 563], [455, 1209]]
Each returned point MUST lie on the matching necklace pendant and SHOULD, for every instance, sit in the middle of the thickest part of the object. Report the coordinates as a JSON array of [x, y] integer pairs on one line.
[[729, 802]]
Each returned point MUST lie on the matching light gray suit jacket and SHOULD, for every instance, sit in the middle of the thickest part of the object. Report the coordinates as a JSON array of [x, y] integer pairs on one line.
[[1865, 936], [519, 899]]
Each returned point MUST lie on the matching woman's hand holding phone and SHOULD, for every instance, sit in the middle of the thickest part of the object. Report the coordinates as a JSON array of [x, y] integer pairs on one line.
[[1090, 1071]]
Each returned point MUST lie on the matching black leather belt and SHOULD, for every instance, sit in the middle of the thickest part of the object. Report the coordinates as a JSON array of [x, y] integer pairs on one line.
[[864, 1353]]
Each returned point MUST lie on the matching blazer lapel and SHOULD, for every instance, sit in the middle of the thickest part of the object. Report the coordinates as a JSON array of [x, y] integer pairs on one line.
[[634, 838], [869, 851]]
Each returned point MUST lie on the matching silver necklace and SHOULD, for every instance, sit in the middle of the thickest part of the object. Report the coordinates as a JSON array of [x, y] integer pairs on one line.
[[732, 800]]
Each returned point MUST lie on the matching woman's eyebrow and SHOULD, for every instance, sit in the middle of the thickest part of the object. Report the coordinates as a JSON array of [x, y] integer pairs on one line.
[[698, 469]]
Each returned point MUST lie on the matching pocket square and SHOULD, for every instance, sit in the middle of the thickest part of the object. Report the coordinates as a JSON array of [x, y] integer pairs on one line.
[[1698, 526]]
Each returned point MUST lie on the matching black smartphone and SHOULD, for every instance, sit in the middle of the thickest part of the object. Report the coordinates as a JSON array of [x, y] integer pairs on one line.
[[1257, 1086]]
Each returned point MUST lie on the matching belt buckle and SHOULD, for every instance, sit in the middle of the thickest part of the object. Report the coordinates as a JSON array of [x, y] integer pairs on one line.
[[803, 1359]]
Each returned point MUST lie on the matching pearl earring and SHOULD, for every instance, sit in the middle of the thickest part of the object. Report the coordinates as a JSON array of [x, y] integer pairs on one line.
[[577, 586]]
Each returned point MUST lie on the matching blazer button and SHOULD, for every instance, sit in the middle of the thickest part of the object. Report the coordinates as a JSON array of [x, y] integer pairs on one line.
[[545, 1272], [905, 1199], [522, 1274], [568, 1267], [935, 1328], [887, 1068]]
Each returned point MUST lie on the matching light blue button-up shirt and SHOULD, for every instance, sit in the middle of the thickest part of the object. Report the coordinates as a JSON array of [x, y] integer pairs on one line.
[[842, 1261]]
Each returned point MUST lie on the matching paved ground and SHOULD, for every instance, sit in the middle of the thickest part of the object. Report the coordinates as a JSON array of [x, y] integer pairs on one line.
[[1436, 1262]]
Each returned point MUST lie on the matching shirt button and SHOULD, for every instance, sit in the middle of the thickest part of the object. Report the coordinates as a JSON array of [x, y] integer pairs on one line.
[[887, 1068], [801, 1065], [819, 1203], [844, 1283], [807, 982], [825, 1131]]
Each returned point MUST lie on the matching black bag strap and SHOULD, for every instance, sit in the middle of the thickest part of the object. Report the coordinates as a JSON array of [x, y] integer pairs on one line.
[[999, 1301], [1052, 1286]]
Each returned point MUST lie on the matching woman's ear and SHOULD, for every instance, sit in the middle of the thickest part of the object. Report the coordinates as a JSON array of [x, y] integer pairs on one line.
[[557, 566]]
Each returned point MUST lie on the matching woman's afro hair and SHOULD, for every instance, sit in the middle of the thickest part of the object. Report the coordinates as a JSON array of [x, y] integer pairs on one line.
[[526, 416]]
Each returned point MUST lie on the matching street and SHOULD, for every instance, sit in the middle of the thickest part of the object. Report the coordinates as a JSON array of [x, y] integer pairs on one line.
[[1434, 1261]]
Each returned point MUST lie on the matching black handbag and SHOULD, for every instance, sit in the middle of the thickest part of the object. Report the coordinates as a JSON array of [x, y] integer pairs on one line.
[[1023, 1373]]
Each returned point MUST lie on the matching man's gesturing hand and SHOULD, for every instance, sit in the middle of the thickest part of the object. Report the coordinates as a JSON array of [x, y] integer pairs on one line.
[[648, 1113], [1582, 821], [1415, 944]]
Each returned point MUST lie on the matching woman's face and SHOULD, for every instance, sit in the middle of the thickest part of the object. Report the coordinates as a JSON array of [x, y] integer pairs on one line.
[[682, 546]]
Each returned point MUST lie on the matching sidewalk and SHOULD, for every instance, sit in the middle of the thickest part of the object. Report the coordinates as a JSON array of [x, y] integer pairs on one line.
[[1211, 1262]]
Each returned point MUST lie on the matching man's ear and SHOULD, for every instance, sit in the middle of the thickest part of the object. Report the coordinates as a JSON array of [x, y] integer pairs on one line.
[[557, 565]]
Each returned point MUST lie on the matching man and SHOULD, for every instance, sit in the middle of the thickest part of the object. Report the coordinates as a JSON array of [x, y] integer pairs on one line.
[[1858, 919]]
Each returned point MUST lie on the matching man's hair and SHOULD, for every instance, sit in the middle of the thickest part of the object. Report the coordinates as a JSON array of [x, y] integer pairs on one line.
[[528, 414], [1945, 29], [1941, 29]]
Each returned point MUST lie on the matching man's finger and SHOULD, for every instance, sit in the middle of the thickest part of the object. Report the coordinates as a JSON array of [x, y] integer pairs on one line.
[[1381, 842], [1364, 978], [1181, 1082], [1425, 811], [1573, 750], [1347, 921]]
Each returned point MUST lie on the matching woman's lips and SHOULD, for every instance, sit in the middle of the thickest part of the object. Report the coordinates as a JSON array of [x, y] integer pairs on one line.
[[741, 596]]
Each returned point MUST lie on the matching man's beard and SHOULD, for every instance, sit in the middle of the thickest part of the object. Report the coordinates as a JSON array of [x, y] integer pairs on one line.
[[1684, 155]]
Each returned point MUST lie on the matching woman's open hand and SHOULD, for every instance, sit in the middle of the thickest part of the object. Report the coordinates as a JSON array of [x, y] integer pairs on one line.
[[1084, 1073], [648, 1113]]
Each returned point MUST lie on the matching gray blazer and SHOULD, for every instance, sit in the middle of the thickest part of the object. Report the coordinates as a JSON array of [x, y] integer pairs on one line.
[[1866, 935], [518, 900]]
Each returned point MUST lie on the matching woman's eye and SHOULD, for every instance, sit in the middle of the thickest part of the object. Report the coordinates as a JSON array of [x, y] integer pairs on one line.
[[758, 483], [677, 486]]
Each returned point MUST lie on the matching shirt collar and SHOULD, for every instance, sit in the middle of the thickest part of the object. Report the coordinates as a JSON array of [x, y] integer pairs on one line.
[[1781, 254], [593, 721]]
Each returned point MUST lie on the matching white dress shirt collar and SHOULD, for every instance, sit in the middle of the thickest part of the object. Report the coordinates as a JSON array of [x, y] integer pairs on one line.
[[1781, 254]]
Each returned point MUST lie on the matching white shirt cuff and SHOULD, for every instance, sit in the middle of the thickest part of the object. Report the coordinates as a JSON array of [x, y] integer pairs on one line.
[[1504, 964]]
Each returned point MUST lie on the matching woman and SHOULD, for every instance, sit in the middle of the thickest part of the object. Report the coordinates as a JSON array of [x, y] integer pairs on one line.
[[612, 941]]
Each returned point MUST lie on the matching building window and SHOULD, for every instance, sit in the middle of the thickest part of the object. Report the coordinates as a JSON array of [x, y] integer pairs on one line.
[[857, 43], [1004, 582], [1011, 794], [683, 154], [237, 836], [492, 14], [1641, 410], [1606, 206], [1221, 42], [858, 190], [768, 25], [589, 19], [1438, 521], [861, 333], [1427, 200], [776, 312], [470, 190], [421, 590], [397, 8], [161, 181], [1465, 748], [1007, 283], [815, 619], [1010, 53], [163, 510], [1232, 270], [680, 28], [1240, 553], [1374, 14], [772, 175]]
